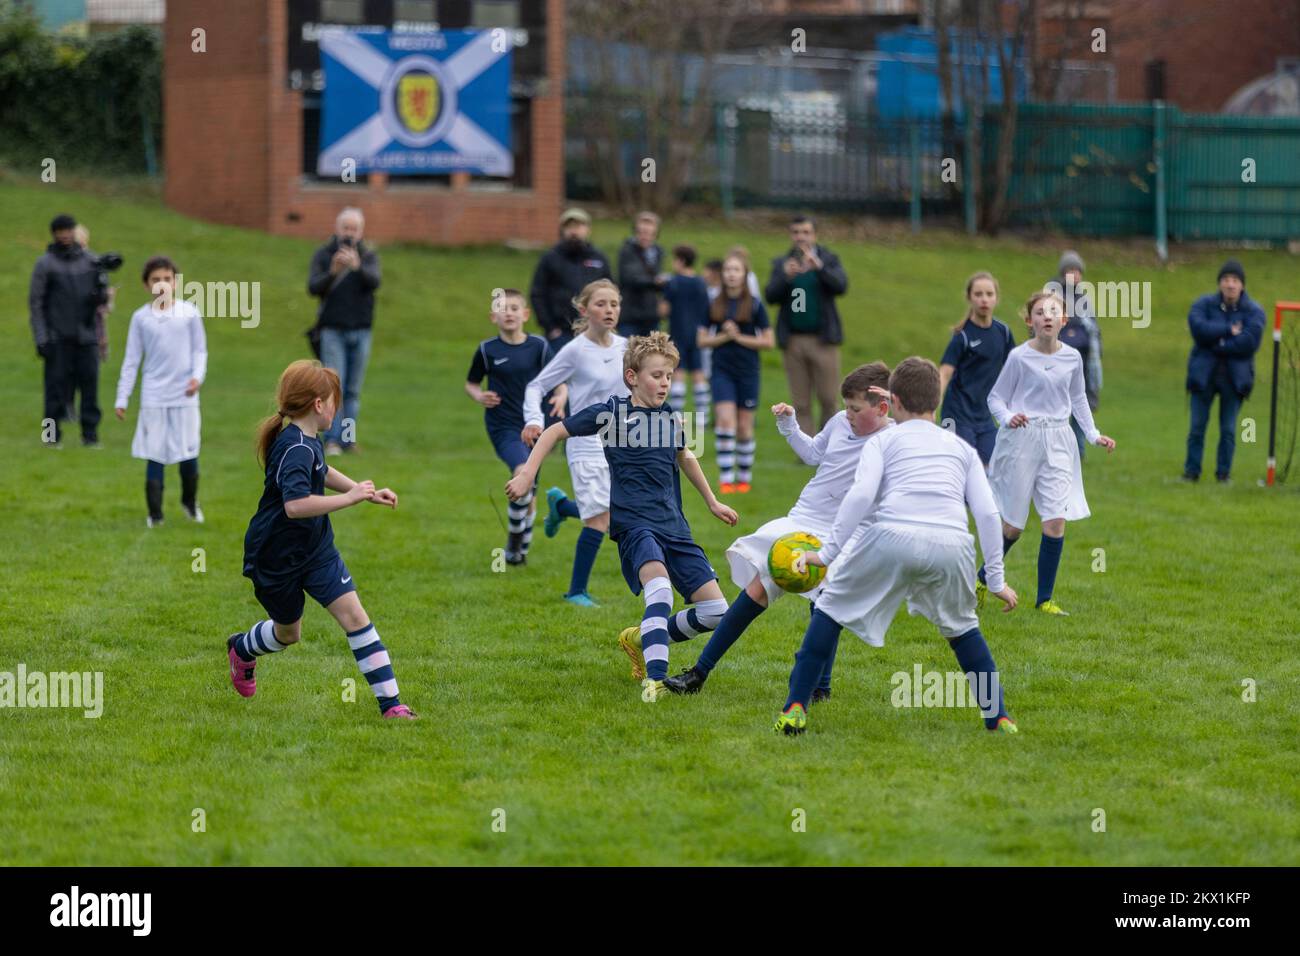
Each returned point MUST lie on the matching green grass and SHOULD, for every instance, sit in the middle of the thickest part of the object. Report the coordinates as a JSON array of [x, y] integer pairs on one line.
[[1132, 705]]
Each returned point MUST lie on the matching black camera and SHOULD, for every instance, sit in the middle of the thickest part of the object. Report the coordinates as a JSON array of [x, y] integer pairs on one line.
[[104, 264]]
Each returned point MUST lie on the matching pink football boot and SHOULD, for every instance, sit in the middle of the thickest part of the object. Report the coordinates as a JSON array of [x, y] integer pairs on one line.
[[400, 712], [241, 671]]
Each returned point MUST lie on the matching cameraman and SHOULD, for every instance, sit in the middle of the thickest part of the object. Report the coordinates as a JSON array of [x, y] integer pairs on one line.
[[68, 286], [345, 274]]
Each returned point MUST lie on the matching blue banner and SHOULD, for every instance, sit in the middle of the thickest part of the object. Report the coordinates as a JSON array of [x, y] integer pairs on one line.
[[408, 103]]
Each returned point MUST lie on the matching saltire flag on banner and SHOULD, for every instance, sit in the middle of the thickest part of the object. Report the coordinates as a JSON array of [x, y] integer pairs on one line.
[[406, 103]]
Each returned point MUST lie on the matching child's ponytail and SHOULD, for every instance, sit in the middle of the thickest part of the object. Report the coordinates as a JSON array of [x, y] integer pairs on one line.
[[300, 385]]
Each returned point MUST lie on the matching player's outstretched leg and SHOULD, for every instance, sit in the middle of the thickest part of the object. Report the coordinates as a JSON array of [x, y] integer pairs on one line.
[[751, 603], [976, 662], [558, 507], [658, 593], [809, 663], [243, 650], [371, 655], [1049, 561]]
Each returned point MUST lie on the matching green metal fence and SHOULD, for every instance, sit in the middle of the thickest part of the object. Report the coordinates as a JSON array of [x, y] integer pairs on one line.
[[1093, 170], [1137, 170]]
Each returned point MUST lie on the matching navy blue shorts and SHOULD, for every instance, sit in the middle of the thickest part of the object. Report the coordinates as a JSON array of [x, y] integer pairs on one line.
[[326, 582], [730, 387], [510, 447], [981, 437], [688, 568]]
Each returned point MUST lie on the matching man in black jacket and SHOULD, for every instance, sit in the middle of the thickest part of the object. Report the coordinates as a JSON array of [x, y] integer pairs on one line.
[[561, 274], [64, 296], [345, 274], [641, 275], [804, 284]]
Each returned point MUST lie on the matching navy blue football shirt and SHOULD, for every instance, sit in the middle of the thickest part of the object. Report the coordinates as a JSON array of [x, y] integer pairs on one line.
[[277, 546], [641, 446], [732, 357], [978, 356], [508, 369]]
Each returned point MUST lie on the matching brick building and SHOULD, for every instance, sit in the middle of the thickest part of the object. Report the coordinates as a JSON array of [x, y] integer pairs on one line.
[[239, 138], [1194, 54]]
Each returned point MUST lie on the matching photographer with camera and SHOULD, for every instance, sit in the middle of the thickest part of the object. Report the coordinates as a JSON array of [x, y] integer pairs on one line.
[[69, 285], [804, 284], [345, 275]]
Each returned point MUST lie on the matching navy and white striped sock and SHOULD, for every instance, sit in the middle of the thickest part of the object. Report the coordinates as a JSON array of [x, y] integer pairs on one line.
[[518, 524], [724, 444], [697, 620], [654, 627], [526, 539], [372, 658], [703, 399], [258, 640], [745, 459]]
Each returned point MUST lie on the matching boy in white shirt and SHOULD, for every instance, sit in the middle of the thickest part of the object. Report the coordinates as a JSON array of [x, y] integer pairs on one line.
[[167, 336], [835, 451], [1036, 456], [915, 481]]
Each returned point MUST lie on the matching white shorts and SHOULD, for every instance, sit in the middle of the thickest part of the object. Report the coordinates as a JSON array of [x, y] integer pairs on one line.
[[590, 486], [932, 569], [167, 435], [1039, 462], [747, 556]]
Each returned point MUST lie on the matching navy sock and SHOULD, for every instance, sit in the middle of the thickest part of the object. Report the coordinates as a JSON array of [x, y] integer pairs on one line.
[[976, 662], [568, 508], [584, 556], [1049, 559], [811, 660], [153, 471], [739, 616], [825, 682], [1006, 546]]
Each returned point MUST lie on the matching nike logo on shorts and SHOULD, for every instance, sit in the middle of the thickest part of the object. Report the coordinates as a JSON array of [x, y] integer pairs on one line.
[[345, 580]]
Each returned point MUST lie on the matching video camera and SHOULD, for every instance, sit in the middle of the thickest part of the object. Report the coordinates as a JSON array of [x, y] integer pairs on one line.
[[104, 264]]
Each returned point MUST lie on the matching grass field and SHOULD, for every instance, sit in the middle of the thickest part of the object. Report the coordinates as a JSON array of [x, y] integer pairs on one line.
[[1132, 705]]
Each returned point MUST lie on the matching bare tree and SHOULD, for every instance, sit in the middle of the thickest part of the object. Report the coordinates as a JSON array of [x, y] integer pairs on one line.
[[1010, 52], [645, 98]]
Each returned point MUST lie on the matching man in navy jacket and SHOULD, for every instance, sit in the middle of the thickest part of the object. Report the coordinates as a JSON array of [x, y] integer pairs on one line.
[[1226, 328]]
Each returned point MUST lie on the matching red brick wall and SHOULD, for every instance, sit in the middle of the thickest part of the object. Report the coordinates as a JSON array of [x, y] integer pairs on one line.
[[1211, 48], [233, 142]]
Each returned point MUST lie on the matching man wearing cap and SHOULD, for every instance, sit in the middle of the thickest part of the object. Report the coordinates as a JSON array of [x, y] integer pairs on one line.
[[561, 274], [1227, 328], [64, 296]]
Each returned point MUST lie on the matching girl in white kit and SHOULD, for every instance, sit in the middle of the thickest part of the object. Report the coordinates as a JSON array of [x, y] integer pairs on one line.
[[1036, 457], [166, 337], [592, 366]]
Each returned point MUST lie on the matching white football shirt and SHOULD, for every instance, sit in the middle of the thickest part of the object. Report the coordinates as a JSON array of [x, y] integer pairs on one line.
[[1043, 386], [594, 373], [919, 473]]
